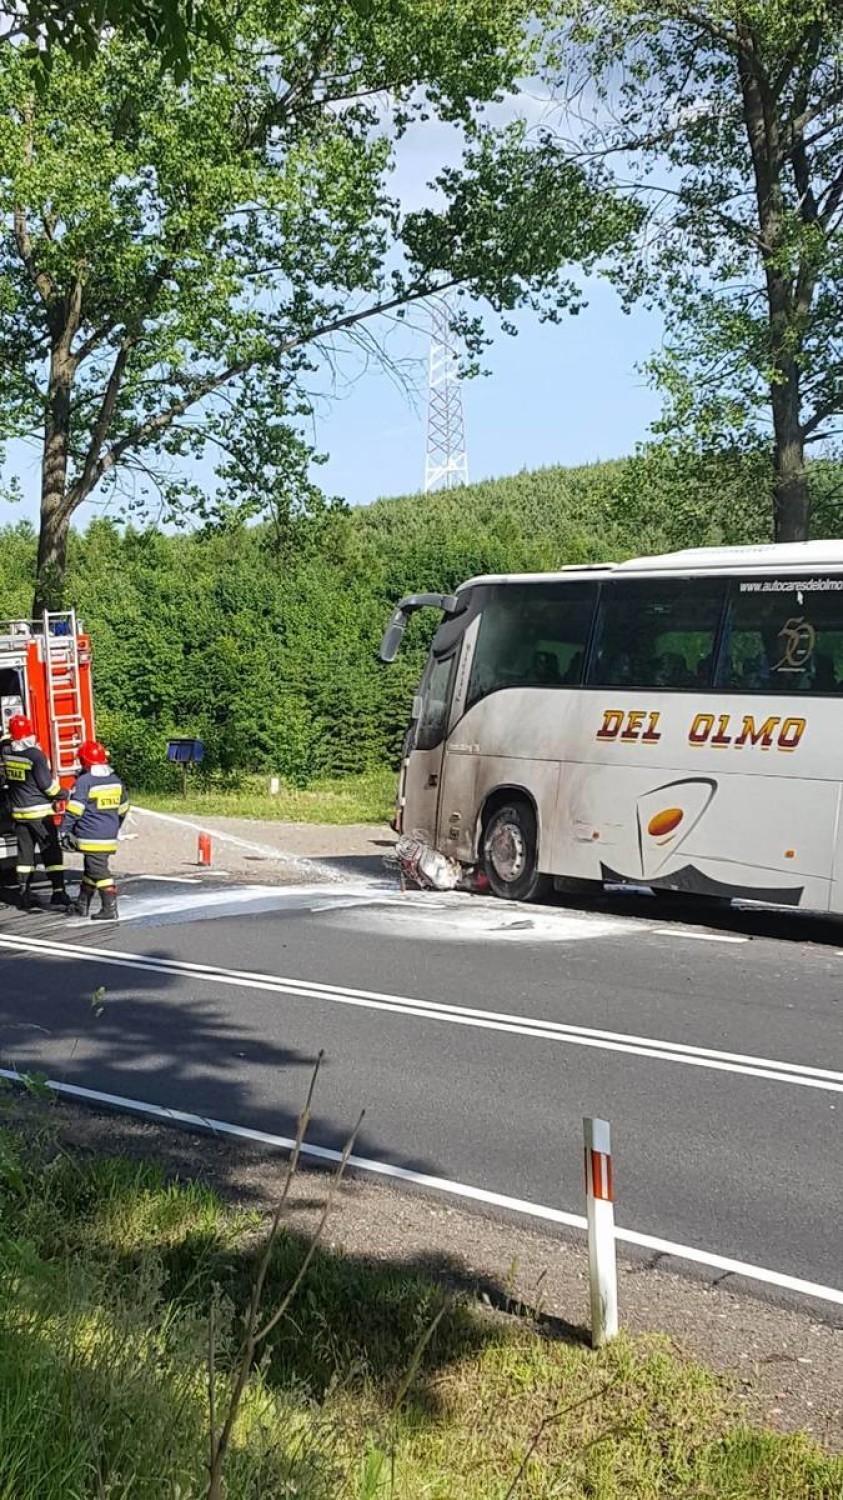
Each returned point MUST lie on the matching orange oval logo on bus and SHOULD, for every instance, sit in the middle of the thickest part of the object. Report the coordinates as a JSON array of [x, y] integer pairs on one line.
[[665, 822]]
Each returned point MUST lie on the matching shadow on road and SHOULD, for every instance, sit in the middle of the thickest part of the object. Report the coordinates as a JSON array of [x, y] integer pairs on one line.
[[783, 925], [160, 1039]]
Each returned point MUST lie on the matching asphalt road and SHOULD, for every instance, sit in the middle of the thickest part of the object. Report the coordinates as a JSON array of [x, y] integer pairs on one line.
[[476, 1035]]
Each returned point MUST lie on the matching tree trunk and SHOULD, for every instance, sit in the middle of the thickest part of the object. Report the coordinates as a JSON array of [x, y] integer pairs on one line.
[[55, 515], [52, 558], [790, 496], [791, 501], [787, 319]]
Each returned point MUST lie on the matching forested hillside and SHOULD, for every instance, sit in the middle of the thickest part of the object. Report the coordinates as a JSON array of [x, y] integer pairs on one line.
[[265, 644]]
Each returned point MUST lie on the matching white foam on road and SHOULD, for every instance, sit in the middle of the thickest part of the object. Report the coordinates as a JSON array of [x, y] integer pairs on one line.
[[158, 908], [451, 916], [376, 907], [458, 917]]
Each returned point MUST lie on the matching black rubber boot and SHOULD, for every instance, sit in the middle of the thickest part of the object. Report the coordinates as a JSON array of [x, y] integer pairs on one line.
[[108, 911], [25, 899], [60, 901], [82, 905]]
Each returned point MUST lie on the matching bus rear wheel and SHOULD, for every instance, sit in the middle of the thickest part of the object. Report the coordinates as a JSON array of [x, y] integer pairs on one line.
[[510, 854]]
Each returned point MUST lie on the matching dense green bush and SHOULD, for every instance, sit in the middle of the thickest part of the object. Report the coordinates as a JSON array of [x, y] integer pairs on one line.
[[268, 651]]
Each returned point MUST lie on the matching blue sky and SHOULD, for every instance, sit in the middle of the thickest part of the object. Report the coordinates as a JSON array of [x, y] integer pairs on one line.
[[556, 394], [568, 393]]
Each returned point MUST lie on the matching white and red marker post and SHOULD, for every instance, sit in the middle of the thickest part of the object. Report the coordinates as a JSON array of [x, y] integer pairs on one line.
[[602, 1253]]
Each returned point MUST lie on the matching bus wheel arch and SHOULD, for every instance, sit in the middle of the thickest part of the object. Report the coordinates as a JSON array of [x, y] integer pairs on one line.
[[509, 846]]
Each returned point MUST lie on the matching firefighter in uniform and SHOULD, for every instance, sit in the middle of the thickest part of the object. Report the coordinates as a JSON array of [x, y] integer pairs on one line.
[[33, 791], [96, 808]]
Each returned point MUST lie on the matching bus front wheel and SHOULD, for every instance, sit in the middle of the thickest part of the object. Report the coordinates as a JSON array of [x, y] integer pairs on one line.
[[510, 854]]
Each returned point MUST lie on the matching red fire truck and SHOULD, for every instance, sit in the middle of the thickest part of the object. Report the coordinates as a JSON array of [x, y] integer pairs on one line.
[[45, 672]]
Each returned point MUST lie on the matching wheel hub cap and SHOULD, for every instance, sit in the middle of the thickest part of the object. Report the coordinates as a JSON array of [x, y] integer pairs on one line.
[[508, 852]]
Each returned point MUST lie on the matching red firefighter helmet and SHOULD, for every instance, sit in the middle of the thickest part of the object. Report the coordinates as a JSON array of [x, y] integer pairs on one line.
[[20, 727], [92, 753]]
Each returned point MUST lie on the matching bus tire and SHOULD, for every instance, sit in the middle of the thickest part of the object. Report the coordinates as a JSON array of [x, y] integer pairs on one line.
[[510, 854]]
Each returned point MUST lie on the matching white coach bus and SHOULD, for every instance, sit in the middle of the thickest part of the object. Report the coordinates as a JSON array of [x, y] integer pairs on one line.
[[675, 722]]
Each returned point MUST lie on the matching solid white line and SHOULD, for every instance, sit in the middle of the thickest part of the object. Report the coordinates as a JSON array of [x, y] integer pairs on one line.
[[443, 1185], [734, 1267], [698, 937], [306, 987], [767, 1069]]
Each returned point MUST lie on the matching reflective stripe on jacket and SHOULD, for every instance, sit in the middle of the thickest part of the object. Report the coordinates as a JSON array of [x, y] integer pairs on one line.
[[96, 807], [31, 785]]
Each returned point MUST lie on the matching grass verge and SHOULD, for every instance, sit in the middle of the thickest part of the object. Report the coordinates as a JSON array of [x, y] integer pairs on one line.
[[368, 798], [107, 1277]]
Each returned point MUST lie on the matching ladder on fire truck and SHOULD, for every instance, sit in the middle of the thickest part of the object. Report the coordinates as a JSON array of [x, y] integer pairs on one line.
[[61, 663]]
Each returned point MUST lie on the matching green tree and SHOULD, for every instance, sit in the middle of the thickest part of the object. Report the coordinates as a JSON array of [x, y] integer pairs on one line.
[[725, 117], [174, 257], [78, 27], [17, 555], [267, 648]]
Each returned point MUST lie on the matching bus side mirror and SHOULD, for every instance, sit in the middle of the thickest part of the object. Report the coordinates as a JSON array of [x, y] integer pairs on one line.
[[393, 637], [391, 642]]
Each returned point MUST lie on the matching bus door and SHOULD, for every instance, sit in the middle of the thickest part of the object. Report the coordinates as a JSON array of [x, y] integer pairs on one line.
[[426, 749]]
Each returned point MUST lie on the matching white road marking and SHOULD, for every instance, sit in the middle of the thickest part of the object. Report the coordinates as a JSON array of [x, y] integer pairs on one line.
[[536, 1028], [698, 937], [444, 1185]]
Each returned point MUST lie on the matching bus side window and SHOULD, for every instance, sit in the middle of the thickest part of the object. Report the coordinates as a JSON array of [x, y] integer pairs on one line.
[[532, 636], [786, 638], [657, 633], [433, 723]]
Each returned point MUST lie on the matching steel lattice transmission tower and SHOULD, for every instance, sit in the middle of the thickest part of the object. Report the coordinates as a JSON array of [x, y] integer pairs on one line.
[[446, 464]]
